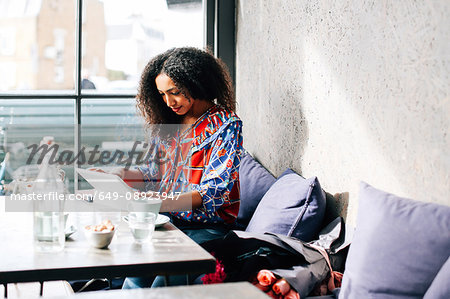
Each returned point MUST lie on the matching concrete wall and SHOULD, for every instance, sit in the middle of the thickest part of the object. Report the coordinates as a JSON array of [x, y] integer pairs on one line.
[[348, 91]]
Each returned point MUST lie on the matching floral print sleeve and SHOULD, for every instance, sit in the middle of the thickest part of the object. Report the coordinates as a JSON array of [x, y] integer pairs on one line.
[[220, 172], [204, 158]]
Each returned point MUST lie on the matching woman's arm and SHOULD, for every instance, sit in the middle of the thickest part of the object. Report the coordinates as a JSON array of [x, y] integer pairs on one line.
[[132, 177], [185, 202], [221, 171]]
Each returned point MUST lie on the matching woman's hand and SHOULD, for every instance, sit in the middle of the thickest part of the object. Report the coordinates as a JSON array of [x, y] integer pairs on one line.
[[184, 202], [96, 169], [120, 172]]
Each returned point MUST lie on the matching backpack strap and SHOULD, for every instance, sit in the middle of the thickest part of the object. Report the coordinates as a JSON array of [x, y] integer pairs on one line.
[[336, 277]]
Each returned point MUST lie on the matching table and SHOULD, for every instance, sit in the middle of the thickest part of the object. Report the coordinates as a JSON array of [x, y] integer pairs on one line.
[[170, 252], [217, 291]]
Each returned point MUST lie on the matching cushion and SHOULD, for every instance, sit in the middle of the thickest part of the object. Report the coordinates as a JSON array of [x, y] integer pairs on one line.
[[287, 171], [293, 206], [254, 181], [440, 287], [331, 209], [398, 247]]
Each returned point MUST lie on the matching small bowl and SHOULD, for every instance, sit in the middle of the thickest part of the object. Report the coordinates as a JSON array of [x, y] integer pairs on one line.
[[99, 239]]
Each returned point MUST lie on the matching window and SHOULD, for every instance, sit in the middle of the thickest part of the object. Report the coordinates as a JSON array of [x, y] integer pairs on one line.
[[7, 41], [70, 69]]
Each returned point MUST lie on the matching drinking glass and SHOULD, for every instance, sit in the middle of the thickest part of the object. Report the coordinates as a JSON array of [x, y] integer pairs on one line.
[[142, 226], [49, 231]]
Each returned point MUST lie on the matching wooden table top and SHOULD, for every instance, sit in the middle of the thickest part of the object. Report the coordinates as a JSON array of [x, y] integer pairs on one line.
[[170, 252], [216, 291]]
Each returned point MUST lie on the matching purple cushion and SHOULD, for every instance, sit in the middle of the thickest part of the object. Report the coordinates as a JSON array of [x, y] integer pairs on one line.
[[440, 287], [287, 171], [293, 206], [398, 247], [254, 181]]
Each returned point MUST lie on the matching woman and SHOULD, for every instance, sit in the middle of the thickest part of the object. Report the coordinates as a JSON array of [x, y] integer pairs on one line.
[[199, 158]]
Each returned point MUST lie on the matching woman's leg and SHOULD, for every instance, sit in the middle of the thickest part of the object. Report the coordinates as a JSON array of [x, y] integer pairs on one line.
[[200, 235]]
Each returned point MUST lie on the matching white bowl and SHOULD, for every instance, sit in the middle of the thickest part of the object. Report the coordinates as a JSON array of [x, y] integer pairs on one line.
[[100, 239]]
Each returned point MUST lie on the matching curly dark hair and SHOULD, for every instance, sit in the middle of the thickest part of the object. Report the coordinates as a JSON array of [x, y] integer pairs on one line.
[[196, 73]]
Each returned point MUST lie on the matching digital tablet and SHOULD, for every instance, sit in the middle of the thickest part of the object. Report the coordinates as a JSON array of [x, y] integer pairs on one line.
[[105, 182]]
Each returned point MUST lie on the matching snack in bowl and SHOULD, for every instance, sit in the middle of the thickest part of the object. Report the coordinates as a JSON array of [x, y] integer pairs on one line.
[[100, 236], [105, 226]]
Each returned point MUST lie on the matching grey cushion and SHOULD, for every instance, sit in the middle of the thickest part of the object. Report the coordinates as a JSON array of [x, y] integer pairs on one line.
[[440, 287], [398, 247], [293, 206], [254, 182]]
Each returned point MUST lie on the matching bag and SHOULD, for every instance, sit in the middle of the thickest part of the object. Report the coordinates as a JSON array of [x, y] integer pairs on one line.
[[241, 255], [103, 284]]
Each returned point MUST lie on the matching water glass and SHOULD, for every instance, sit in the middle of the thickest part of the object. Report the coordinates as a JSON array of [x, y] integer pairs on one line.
[[141, 226], [49, 231]]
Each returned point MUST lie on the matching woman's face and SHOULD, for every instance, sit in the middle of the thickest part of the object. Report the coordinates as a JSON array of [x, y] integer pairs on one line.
[[172, 96]]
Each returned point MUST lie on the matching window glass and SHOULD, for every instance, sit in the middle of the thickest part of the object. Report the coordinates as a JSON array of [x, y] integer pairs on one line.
[[108, 121], [120, 39], [38, 56], [37, 45], [23, 125], [110, 128]]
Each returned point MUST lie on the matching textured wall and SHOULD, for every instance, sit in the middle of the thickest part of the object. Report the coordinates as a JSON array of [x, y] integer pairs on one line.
[[348, 91]]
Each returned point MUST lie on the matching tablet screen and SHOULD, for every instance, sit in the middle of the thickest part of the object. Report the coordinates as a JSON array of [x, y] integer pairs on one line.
[[105, 182]]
